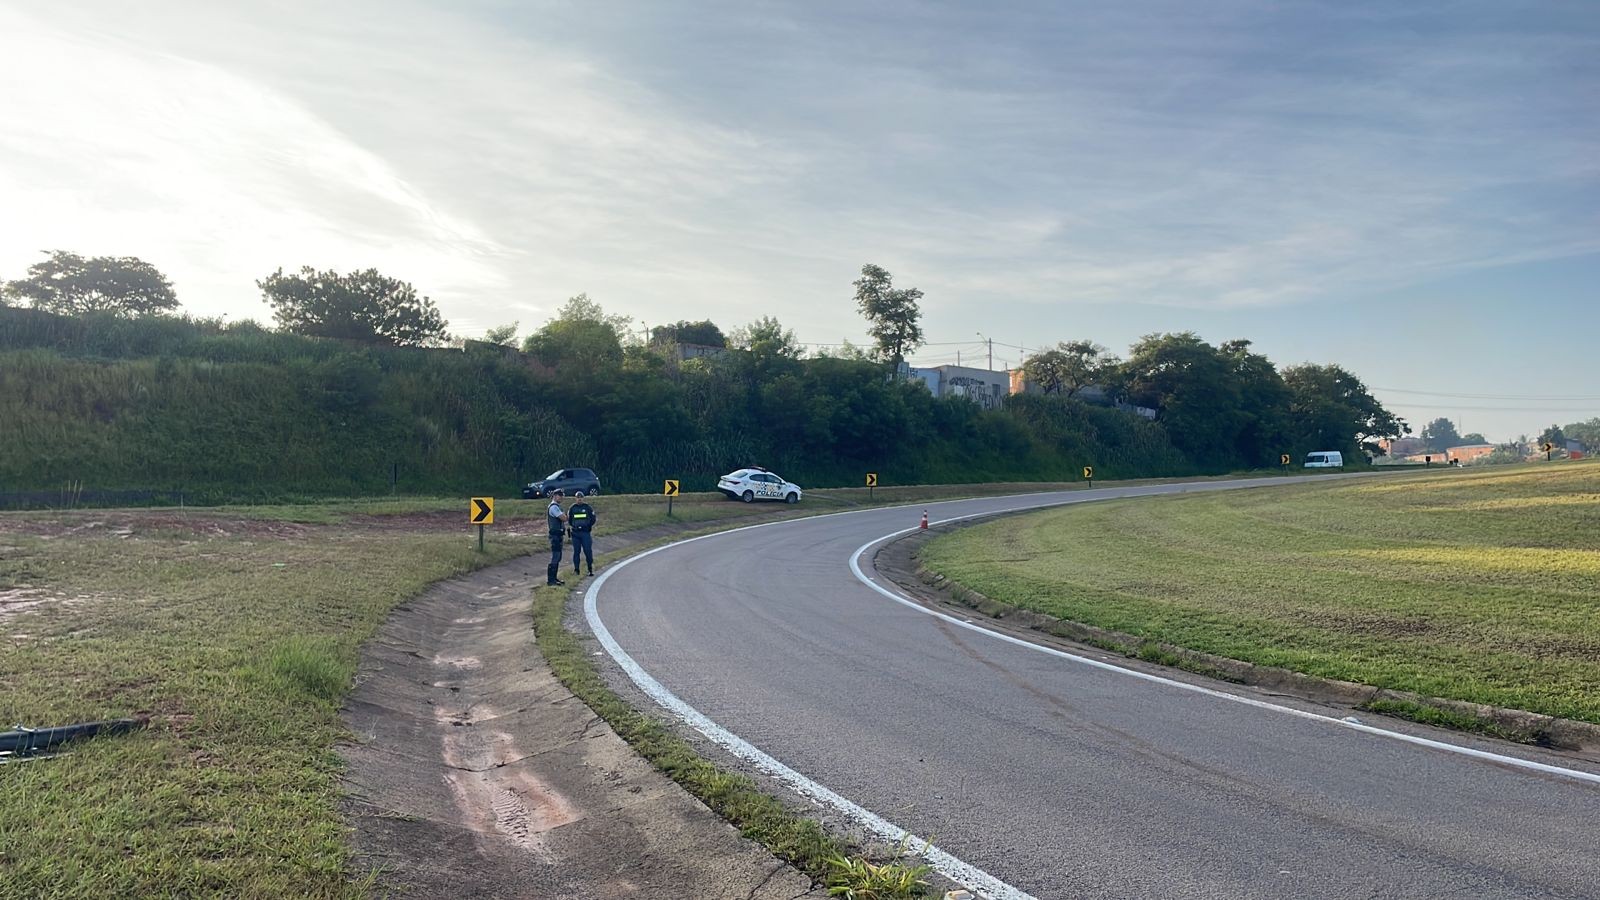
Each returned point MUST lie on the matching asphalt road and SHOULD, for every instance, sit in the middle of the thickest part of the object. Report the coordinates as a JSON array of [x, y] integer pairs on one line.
[[1061, 779]]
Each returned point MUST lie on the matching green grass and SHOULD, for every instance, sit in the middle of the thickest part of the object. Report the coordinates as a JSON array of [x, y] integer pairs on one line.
[[237, 631], [796, 839], [1477, 585]]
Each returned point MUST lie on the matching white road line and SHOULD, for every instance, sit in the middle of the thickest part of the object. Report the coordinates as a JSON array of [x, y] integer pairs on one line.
[[942, 862], [945, 864], [855, 567]]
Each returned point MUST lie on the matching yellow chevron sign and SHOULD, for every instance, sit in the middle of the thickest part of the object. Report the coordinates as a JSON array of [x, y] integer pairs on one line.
[[481, 512]]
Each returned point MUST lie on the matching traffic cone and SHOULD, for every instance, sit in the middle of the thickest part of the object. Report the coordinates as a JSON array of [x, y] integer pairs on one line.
[[924, 519]]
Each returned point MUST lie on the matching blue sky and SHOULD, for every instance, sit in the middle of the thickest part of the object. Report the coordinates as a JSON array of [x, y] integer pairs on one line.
[[1412, 190]]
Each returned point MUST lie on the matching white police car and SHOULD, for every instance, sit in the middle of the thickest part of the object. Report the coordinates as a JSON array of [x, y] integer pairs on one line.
[[755, 483]]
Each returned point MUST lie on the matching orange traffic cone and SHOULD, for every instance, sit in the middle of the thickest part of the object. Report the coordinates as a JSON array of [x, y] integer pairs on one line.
[[924, 519]]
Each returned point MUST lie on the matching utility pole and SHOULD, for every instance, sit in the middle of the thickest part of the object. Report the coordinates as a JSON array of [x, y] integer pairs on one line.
[[990, 342]]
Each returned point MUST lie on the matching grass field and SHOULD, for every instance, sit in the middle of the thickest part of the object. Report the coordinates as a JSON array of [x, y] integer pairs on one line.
[[237, 631], [1475, 584]]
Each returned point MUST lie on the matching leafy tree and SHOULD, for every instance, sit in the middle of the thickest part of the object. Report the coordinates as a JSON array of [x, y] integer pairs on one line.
[[1553, 435], [1441, 435], [766, 338], [1586, 433], [581, 339], [1263, 430], [892, 315], [365, 306], [70, 284], [1474, 438], [845, 350], [505, 335], [1331, 409], [705, 333], [1069, 367], [1190, 384]]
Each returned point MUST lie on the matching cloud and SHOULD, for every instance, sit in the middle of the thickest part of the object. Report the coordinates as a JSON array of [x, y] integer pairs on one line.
[[121, 149], [748, 159]]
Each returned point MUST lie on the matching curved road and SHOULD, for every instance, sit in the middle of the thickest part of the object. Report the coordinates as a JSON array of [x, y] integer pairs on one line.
[[1040, 775]]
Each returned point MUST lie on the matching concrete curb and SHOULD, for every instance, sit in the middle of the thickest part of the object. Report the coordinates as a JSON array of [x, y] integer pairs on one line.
[[901, 563]]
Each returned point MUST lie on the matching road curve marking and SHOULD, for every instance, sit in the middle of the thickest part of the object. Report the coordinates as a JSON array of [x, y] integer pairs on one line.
[[1486, 755], [962, 872]]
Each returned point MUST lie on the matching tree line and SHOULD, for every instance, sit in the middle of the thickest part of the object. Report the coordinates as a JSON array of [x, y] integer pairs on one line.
[[351, 357]]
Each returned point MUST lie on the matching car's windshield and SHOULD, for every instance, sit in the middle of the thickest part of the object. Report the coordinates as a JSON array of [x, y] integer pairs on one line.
[[555, 474]]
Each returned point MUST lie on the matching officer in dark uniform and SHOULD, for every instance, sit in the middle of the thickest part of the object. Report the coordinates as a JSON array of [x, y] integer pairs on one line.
[[557, 521], [581, 518]]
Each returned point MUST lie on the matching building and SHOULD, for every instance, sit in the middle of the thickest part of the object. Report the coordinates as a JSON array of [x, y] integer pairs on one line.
[[986, 388], [679, 351], [1467, 453], [1399, 448]]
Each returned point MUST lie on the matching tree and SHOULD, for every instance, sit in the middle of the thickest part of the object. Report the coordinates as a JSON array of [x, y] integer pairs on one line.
[[705, 333], [1440, 435], [365, 306], [1330, 409], [1474, 438], [1068, 367], [1190, 384], [844, 350], [1585, 433], [766, 338], [70, 284], [581, 338], [1264, 427], [892, 315], [505, 335], [1553, 435]]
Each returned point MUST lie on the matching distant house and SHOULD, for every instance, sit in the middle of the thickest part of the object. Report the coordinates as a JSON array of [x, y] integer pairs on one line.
[[982, 386], [1405, 446], [680, 351], [1466, 453]]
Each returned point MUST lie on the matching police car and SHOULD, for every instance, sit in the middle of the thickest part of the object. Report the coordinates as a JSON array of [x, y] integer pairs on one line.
[[755, 483]]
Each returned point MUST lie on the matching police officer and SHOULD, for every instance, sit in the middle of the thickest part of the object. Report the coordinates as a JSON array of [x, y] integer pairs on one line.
[[581, 518], [556, 519]]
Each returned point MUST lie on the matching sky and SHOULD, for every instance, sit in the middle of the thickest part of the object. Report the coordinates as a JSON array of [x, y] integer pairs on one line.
[[1409, 190]]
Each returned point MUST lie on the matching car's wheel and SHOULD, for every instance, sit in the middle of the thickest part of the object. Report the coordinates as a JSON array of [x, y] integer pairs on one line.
[[792, 498], [748, 497], [594, 489]]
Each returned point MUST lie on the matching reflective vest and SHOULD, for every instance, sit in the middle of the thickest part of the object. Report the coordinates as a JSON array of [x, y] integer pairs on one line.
[[581, 515]]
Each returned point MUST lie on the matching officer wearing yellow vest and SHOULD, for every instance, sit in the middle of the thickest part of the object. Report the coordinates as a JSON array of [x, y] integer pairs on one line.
[[581, 518]]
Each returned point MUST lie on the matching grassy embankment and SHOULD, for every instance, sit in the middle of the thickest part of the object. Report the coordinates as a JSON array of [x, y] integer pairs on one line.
[[237, 630], [1475, 585]]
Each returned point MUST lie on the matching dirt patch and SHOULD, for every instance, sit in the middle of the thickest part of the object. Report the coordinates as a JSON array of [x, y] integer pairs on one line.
[[133, 523], [16, 601], [420, 521], [476, 773]]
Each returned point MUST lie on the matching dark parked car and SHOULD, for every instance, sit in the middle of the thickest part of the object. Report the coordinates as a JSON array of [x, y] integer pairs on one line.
[[566, 480]]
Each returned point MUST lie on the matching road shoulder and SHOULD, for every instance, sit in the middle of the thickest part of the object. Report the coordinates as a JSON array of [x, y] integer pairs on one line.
[[474, 770]]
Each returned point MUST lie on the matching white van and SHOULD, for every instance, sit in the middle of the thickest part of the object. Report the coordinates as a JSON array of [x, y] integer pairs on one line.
[[1324, 459]]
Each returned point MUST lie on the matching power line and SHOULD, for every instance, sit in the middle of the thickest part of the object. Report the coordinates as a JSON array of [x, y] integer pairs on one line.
[[1490, 396], [1451, 407]]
